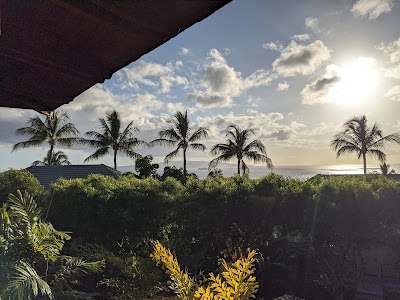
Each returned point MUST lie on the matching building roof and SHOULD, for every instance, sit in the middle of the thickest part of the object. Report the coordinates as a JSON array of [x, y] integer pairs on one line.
[[51, 51], [48, 174]]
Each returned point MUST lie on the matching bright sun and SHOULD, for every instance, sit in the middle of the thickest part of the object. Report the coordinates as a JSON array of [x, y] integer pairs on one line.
[[358, 82]]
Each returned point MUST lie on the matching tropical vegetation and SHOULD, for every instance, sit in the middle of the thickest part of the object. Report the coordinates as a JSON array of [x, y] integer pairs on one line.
[[236, 281], [363, 139], [58, 158], [54, 130], [385, 169], [181, 135], [30, 252], [239, 146], [113, 138], [306, 233]]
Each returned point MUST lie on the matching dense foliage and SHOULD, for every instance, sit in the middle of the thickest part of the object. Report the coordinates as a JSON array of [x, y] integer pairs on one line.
[[31, 264], [13, 180], [297, 228]]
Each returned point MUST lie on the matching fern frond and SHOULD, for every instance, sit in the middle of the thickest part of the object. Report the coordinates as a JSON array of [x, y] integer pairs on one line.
[[25, 283]]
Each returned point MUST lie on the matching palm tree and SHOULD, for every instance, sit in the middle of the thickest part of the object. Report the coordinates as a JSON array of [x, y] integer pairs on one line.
[[53, 130], [385, 169], [239, 146], [180, 134], [59, 158], [112, 138], [360, 138]]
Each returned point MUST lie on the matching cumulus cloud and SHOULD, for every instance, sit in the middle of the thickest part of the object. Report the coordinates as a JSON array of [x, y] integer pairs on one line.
[[318, 90], [282, 86], [144, 109], [184, 51], [301, 37], [151, 74], [221, 82], [371, 8], [301, 59], [394, 93], [274, 46], [10, 120], [392, 50], [266, 126], [312, 23]]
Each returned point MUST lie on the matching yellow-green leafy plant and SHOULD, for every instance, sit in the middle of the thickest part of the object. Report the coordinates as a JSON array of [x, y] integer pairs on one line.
[[236, 282]]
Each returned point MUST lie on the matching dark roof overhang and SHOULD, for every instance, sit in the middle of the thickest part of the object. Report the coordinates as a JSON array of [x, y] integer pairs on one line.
[[51, 51]]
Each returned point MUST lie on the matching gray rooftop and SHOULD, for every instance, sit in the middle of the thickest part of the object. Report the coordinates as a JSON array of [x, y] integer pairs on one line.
[[48, 174]]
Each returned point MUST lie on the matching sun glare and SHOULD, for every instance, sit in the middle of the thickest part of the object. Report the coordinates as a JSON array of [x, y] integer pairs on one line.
[[358, 82]]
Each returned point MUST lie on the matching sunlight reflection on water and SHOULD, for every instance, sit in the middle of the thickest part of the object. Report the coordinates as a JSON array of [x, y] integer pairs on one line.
[[298, 172]]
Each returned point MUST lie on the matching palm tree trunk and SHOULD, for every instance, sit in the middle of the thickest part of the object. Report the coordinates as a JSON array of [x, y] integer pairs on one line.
[[238, 166], [184, 164], [51, 154], [115, 159], [365, 164]]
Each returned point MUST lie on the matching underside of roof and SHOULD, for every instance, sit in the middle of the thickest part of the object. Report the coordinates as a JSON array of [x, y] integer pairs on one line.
[[51, 51]]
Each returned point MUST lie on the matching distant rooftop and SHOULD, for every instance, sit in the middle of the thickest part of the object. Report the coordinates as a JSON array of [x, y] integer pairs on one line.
[[49, 174]]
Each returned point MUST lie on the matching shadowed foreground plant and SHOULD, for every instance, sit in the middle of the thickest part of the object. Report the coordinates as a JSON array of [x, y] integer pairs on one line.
[[31, 264], [236, 282]]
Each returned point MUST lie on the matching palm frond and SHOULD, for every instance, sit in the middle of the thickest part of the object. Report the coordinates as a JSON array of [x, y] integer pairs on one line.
[[27, 144], [163, 142], [197, 146], [171, 155], [255, 145], [170, 134], [23, 207], [99, 153], [222, 158], [378, 153], [25, 283], [200, 133]]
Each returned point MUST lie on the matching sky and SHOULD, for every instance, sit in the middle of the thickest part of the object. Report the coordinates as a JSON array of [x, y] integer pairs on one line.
[[294, 71]]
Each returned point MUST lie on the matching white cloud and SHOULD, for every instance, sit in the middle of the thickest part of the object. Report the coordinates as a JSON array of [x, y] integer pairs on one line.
[[301, 59], [142, 109], [266, 126], [392, 50], [179, 64], [371, 8], [274, 46], [184, 51], [301, 37], [392, 72], [312, 23], [206, 100], [394, 93], [318, 90], [282, 86], [152, 75], [221, 82]]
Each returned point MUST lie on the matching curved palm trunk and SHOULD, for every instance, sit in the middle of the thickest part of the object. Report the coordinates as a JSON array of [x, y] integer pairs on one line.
[[184, 164], [238, 166], [115, 159], [365, 164]]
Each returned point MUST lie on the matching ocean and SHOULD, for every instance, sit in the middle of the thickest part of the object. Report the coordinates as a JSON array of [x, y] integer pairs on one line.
[[297, 172]]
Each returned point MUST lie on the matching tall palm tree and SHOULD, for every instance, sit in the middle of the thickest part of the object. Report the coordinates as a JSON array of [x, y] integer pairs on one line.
[[180, 134], [53, 130], [59, 158], [385, 169], [360, 138], [238, 145], [113, 138]]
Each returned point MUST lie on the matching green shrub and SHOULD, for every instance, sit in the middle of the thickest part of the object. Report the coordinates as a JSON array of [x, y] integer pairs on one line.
[[13, 180]]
